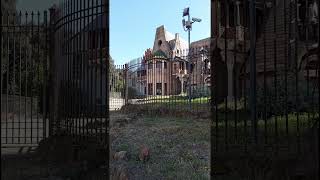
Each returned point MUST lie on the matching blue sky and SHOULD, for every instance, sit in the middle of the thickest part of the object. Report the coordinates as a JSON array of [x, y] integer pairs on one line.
[[133, 24]]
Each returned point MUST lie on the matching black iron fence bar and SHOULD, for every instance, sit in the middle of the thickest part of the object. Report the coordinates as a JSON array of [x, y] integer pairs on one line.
[[81, 52], [296, 74], [79, 69], [45, 77], [318, 67], [1, 39], [264, 77], [26, 80], [8, 73], [102, 107], [32, 76], [38, 63], [275, 72], [234, 66], [20, 77], [59, 24], [14, 75], [253, 69], [226, 62], [96, 59], [87, 70], [286, 70], [68, 56]]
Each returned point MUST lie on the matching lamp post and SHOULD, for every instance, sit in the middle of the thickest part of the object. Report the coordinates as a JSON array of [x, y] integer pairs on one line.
[[187, 26]]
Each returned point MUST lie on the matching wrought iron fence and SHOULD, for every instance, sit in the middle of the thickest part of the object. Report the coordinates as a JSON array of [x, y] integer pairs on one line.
[[272, 102], [80, 67], [24, 68]]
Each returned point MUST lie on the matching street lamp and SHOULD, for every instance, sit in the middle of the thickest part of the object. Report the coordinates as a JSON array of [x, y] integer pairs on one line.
[[187, 26]]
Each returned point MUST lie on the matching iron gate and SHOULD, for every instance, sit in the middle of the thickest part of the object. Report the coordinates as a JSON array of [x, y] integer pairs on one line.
[[24, 75], [79, 66], [271, 109]]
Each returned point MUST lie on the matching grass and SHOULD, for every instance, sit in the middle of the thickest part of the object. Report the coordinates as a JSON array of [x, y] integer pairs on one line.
[[179, 147]]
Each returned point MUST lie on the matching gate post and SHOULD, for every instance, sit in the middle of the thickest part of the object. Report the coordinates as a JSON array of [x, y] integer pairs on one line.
[[126, 83]]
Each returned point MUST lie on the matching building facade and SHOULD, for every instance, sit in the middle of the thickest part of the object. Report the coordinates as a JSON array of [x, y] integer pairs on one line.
[[286, 34], [163, 70]]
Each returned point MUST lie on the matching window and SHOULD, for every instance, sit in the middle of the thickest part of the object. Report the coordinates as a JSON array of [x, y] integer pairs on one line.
[[150, 89], [175, 67], [159, 43], [165, 65], [159, 89]]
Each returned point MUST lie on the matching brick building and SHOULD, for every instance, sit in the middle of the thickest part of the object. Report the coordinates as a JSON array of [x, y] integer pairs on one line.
[[163, 70], [282, 40]]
